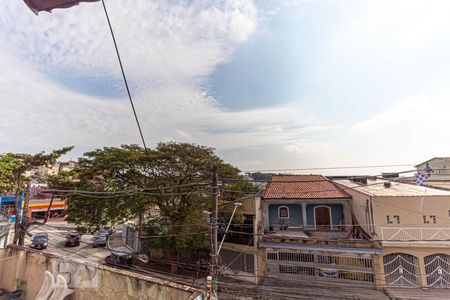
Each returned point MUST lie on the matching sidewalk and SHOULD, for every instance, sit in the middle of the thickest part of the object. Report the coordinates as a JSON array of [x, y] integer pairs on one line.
[[418, 294]]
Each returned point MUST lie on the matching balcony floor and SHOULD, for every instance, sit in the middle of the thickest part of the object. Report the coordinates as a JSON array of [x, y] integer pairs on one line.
[[312, 234]]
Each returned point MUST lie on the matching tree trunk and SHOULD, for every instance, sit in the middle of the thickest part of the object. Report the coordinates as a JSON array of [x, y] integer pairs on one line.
[[174, 266], [17, 211], [24, 221]]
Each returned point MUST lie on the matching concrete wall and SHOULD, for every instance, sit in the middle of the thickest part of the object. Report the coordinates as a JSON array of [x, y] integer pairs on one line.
[[361, 205], [295, 215], [420, 251], [408, 209], [340, 212], [337, 214], [24, 269]]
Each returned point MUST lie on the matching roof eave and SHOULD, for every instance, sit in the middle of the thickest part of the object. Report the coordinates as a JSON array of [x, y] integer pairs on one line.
[[341, 198]]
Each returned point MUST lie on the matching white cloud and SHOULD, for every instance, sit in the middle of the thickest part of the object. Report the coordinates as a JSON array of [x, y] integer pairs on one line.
[[162, 42], [168, 49], [413, 129]]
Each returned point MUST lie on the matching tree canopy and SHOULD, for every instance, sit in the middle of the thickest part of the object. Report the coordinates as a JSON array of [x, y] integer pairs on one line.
[[12, 175], [166, 190]]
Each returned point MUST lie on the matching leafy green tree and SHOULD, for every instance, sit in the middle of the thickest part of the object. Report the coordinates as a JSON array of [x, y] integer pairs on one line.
[[8, 180], [12, 175], [168, 192]]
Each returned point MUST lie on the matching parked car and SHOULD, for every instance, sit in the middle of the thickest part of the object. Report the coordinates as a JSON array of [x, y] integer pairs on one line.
[[105, 231], [40, 241], [73, 239], [100, 240], [121, 260]]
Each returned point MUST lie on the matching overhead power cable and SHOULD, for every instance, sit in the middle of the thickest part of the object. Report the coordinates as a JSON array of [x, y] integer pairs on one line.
[[127, 191], [125, 79], [329, 168]]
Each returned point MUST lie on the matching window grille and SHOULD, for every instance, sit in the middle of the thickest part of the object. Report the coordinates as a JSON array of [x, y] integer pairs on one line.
[[289, 256], [272, 256]]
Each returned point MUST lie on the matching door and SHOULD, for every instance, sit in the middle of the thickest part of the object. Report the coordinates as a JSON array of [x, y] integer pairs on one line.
[[437, 267], [322, 216], [401, 269]]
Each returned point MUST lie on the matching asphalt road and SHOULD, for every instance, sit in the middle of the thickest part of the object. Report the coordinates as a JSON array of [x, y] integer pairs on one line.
[[56, 244]]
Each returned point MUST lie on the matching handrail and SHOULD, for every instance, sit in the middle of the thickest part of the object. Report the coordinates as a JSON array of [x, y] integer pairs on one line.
[[415, 233]]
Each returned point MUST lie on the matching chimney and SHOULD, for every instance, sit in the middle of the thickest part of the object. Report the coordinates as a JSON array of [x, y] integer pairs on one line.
[[387, 184]]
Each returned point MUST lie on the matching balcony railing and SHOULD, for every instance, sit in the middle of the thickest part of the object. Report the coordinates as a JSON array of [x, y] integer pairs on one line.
[[414, 234], [297, 227]]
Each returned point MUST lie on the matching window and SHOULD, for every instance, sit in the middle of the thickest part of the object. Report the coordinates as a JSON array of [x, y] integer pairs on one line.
[[431, 219], [391, 221], [283, 212]]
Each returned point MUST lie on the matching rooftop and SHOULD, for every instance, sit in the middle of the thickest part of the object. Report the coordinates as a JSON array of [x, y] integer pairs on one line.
[[438, 157], [302, 187], [375, 187]]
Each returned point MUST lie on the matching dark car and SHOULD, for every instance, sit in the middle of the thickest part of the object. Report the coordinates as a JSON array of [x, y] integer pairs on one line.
[[73, 239], [121, 260], [40, 241], [100, 240]]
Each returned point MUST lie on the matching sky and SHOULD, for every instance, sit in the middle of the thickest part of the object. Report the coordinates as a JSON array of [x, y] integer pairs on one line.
[[270, 84]]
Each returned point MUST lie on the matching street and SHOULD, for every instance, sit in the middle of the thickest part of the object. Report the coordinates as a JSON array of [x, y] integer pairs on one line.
[[56, 244], [87, 253]]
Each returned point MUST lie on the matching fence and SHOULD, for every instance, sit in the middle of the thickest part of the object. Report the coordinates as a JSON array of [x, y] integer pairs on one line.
[[238, 261], [301, 266], [414, 234]]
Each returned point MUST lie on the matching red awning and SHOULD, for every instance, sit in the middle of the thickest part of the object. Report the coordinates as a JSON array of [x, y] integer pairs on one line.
[[48, 5]]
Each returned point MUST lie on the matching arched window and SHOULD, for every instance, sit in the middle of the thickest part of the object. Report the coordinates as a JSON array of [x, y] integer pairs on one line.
[[283, 212]]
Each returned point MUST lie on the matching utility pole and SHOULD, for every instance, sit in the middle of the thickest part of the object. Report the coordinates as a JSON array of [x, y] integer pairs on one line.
[[24, 222], [212, 292], [17, 208]]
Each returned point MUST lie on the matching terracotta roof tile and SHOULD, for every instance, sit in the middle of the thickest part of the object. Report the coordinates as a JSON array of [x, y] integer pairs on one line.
[[302, 187]]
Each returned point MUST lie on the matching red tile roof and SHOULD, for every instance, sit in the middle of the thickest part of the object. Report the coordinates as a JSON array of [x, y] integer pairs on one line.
[[302, 187]]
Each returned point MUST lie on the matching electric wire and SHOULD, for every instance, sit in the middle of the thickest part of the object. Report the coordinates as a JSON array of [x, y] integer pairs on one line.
[[125, 78], [329, 168]]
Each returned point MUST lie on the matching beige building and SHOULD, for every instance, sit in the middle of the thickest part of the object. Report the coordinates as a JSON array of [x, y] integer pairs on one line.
[[38, 174], [239, 252], [438, 167], [438, 171], [412, 224]]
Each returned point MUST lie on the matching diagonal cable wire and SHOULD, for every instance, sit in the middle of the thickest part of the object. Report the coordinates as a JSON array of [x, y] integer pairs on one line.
[[125, 78]]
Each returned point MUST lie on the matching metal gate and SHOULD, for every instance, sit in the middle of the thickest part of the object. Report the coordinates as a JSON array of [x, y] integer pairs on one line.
[[238, 260], [437, 267], [314, 266], [401, 269]]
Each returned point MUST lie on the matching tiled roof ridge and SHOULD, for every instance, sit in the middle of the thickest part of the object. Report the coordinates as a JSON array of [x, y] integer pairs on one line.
[[318, 187]]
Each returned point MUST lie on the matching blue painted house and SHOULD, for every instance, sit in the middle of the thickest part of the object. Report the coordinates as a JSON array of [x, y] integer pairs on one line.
[[7, 204], [307, 233], [305, 203]]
